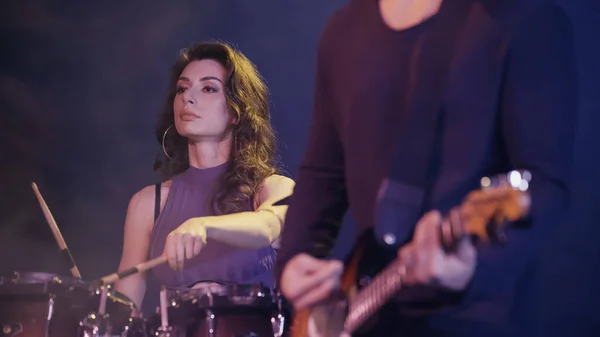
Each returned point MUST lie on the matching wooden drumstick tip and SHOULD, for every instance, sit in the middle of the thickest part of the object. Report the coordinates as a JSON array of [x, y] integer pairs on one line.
[[36, 190], [60, 241]]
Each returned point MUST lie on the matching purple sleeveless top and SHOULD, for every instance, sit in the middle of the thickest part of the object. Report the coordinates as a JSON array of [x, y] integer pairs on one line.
[[189, 197]]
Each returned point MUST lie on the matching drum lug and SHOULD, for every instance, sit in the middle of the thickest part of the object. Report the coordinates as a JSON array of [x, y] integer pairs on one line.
[[95, 325], [9, 330], [136, 328], [164, 332], [278, 324], [210, 319]]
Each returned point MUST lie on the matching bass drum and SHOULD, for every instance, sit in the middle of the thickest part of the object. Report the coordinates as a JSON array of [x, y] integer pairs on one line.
[[34, 304], [237, 310]]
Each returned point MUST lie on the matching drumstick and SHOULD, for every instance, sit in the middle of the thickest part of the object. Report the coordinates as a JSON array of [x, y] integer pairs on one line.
[[57, 235], [142, 267]]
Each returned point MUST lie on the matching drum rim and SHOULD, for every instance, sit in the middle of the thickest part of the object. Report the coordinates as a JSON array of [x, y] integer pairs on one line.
[[19, 277], [258, 290], [34, 277]]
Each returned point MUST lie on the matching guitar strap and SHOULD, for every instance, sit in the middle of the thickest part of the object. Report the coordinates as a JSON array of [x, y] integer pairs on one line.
[[400, 199]]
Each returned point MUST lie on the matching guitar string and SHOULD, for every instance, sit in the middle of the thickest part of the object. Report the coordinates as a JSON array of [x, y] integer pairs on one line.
[[372, 297]]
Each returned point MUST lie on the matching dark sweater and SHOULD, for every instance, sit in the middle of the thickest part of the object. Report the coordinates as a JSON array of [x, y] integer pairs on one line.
[[510, 103]]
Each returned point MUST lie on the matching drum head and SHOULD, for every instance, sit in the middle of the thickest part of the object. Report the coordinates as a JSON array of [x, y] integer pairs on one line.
[[42, 284]]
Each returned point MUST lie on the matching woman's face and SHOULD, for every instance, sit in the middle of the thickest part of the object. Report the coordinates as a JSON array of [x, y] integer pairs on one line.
[[200, 108]]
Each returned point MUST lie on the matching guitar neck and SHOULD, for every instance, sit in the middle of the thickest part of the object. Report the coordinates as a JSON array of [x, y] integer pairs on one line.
[[376, 294], [387, 283], [502, 199]]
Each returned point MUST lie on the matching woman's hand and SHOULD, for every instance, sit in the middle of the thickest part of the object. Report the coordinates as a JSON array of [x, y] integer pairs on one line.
[[185, 242]]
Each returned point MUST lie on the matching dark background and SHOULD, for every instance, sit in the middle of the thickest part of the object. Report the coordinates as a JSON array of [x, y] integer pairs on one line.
[[81, 85]]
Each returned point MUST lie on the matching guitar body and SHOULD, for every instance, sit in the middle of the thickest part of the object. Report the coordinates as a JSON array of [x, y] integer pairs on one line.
[[366, 260], [371, 283]]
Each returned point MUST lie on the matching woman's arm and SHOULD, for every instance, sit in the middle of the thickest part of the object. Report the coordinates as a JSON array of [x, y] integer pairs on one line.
[[254, 229], [136, 243]]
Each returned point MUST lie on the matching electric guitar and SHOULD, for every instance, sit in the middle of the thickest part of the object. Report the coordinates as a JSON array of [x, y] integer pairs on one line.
[[501, 201]]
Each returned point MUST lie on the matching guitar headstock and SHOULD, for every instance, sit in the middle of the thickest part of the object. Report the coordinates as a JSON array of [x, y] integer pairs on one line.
[[502, 199]]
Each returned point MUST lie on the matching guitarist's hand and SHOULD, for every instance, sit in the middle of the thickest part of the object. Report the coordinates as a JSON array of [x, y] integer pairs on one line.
[[427, 263], [306, 280]]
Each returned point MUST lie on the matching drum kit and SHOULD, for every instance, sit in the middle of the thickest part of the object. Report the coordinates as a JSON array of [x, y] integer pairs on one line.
[[49, 305], [34, 304]]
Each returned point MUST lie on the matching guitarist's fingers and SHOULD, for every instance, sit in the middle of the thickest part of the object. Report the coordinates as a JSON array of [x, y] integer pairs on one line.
[[426, 233], [466, 251], [322, 291], [408, 257], [307, 262], [457, 220], [308, 280]]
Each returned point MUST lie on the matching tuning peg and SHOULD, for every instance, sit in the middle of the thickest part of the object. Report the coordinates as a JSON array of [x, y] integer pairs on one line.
[[516, 179]]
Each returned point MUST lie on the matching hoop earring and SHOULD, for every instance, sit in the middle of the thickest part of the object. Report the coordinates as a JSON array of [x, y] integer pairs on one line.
[[163, 141]]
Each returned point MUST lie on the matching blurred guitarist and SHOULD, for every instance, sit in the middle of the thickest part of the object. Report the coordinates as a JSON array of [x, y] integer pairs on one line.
[[415, 101]]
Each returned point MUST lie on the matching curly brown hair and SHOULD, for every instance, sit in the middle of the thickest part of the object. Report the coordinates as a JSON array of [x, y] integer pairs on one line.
[[253, 151]]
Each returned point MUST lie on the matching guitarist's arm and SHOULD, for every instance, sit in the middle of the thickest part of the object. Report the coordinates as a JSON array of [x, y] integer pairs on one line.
[[538, 115], [319, 201]]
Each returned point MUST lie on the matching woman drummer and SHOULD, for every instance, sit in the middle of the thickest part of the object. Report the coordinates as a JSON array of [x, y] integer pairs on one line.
[[213, 216]]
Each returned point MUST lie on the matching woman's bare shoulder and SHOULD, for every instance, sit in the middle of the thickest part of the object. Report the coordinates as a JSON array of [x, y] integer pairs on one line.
[[142, 203], [274, 188], [277, 179]]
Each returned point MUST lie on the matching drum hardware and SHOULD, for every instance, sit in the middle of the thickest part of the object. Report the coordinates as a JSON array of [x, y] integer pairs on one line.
[[210, 320], [41, 304], [34, 304], [232, 310], [9, 330], [47, 305], [249, 298], [278, 322], [210, 316], [165, 330], [97, 324], [135, 328]]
